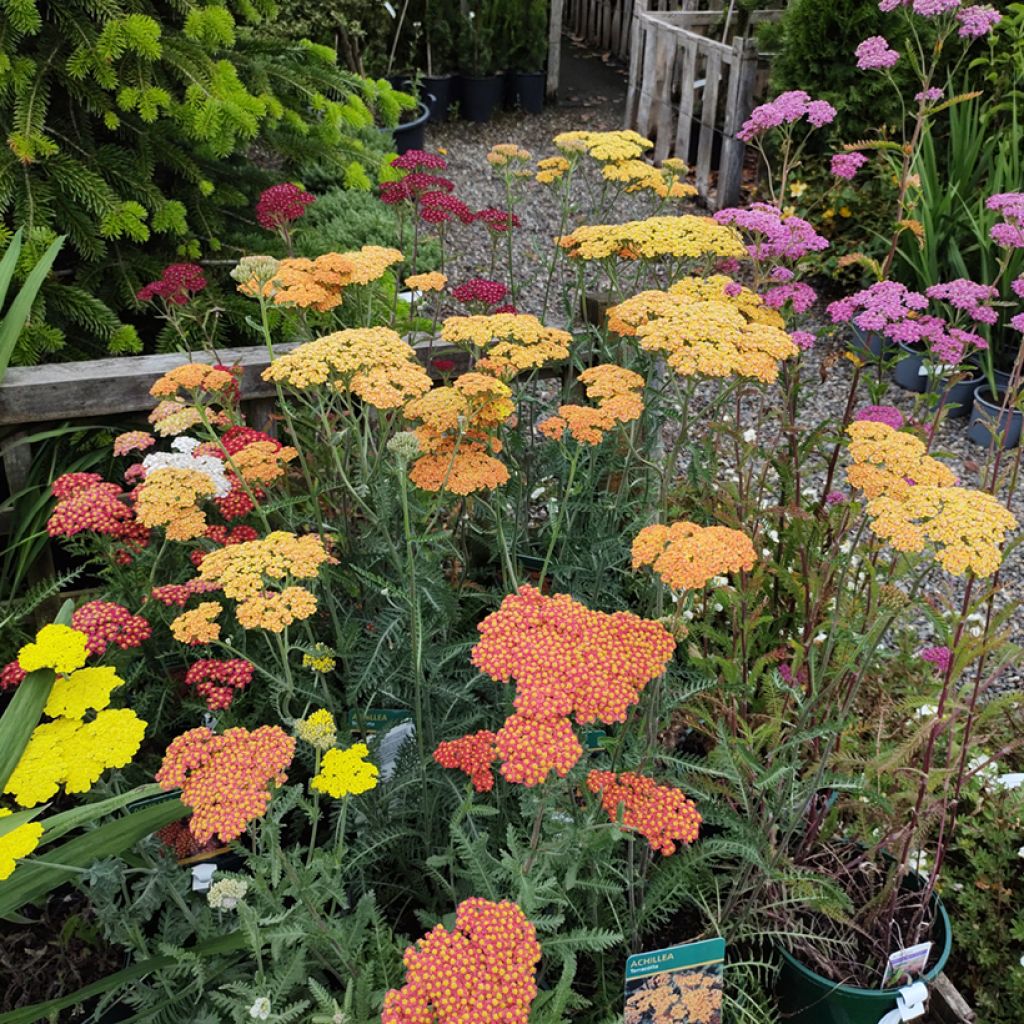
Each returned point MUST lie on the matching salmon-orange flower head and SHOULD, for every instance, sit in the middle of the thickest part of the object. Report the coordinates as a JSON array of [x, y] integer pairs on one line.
[[686, 556], [481, 972]]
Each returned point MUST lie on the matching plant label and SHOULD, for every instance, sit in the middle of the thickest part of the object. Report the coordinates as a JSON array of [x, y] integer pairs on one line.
[[370, 720], [676, 985], [906, 964]]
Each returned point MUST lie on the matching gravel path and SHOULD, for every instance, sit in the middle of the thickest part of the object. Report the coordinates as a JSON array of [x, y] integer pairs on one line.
[[593, 97]]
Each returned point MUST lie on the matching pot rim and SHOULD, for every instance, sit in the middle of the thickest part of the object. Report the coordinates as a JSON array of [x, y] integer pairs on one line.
[[420, 119], [879, 994], [979, 397]]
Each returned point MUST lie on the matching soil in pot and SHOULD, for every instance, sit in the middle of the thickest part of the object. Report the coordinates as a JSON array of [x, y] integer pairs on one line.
[[988, 417], [481, 96], [841, 983]]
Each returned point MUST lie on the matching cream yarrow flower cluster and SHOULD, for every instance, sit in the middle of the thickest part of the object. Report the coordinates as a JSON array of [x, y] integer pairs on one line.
[[319, 730], [510, 342]]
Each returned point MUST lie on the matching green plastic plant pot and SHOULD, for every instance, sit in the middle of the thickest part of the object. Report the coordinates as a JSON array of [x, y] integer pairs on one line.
[[805, 997]]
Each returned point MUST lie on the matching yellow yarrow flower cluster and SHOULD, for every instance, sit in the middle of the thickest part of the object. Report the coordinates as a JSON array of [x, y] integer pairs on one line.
[[504, 153], [687, 556], [321, 659], [639, 176], [74, 753], [966, 527], [372, 363], [683, 237], [604, 146], [891, 462], [551, 169], [475, 401], [58, 647], [617, 392], [345, 772], [914, 502], [319, 729], [513, 342], [250, 572], [169, 497], [704, 330], [17, 843], [86, 689]]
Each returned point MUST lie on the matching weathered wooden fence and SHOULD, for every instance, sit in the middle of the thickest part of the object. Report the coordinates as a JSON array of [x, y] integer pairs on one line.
[[691, 93]]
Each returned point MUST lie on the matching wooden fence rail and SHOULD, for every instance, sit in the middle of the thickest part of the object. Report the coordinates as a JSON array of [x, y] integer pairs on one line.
[[691, 94]]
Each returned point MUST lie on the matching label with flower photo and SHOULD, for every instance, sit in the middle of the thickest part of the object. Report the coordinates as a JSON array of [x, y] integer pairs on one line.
[[676, 985], [906, 964]]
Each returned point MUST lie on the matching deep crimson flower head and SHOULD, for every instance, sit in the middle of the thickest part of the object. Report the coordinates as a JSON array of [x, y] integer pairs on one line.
[[105, 623], [473, 754], [507, 308], [479, 289], [497, 220], [444, 365], [218, 680], [415, 159], [11, 675], [178, 283], [281, 204], [441, 207]]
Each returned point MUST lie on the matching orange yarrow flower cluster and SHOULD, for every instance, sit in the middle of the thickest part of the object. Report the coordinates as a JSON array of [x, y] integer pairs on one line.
[[431, 281], [473, 754], [457, 435], [565, 660], [703, 329], [372, 363], [319, 283], [226, 779], [617, 392], [663, 815], [510, 342], [914, 503], [686, 556], [194, 377], [481, 972], [198, 626]]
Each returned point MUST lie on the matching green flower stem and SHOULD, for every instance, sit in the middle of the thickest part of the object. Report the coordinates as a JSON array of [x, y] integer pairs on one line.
[[560, 518]]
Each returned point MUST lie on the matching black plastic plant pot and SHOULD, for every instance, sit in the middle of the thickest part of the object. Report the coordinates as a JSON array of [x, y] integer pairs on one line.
[[806, 997], [869, 343], [481, 96], [529, 87], [412, 134], [987, 415], [911, 372], [958, 401], [438, 92]]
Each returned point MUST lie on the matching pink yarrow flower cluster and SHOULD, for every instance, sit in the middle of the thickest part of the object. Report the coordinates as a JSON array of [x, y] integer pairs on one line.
[[281, 204], [926, 8], [801, 296], [940, 657], [875, 53], [977, 20], [967, 296], [929, 95], [887, 414], [177, 284], [877, 308], [846, 165], [1008, 233], [786, 108], [775, 236]]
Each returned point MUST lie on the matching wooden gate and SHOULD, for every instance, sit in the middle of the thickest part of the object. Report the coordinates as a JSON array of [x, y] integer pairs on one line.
[[691, 93]]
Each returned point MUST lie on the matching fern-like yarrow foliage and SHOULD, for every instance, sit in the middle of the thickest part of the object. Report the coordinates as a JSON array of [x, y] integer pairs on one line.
[[144, 130]]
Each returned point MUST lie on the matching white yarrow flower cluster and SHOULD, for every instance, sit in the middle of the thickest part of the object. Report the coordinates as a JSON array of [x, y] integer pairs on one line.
[[184, 457], [225, 893]]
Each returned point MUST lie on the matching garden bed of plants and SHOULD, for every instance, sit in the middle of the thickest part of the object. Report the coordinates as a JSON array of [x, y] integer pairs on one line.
[[587, 629]]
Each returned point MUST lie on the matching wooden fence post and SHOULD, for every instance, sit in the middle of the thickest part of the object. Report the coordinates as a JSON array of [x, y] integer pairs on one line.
[[742, 72], [554, 48]]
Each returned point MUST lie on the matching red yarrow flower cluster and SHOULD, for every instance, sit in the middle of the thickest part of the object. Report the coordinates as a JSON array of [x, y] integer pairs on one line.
[[441, 207], [106, 623], [177, 594], [281, 204], [482, 972], [479, 289], [177, 284], [11, 675], [663, 815], [410, 188], [473, 754], [177, 837], [225, 538], [416, 159], [497, 220], [86, 502], [226, 778], [217, 680], [565, 660]]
